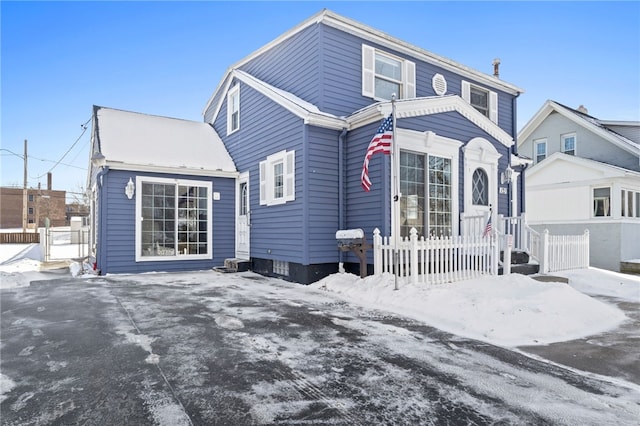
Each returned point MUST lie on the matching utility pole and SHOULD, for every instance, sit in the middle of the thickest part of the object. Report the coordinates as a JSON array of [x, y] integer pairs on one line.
[[24, 192]]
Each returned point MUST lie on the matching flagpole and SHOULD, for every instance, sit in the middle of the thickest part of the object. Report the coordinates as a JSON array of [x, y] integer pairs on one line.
[[395, 207]]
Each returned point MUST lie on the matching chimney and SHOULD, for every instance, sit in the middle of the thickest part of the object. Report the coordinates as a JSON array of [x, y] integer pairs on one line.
[[583, 110], [496, 67], [49, 181]]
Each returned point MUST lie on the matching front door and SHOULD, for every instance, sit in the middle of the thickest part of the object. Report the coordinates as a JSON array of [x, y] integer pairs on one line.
[[243, 222]]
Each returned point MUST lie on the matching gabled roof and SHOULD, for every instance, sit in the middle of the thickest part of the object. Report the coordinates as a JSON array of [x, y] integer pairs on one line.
[[404, 108], [427, 106], [606, 169], [368, 33], [303, 109], [584, 120], [135, 141]]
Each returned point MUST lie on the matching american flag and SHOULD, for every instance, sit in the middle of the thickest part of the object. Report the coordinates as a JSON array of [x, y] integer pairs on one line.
[[381, 142], [487, 228]]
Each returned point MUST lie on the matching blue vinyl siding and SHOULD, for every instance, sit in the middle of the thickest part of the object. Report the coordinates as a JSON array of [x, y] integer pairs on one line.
[[322, 174], [293, 65], [116, 244], [266, 128]]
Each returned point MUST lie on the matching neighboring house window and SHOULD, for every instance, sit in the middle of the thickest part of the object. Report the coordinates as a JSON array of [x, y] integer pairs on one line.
[[601, 202], [568, 142], [277, 178], [31, 197], [540, 146], [175, 219], [30, 210], [480, 188], [483, 100], [414, 168], [233, 109], [630, 201], [384, 75]]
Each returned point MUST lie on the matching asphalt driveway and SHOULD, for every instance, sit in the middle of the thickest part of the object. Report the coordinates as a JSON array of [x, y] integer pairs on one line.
[[241, 350]]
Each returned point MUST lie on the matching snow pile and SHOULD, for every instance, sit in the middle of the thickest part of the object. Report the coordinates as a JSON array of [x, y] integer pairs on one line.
[[512, 310]]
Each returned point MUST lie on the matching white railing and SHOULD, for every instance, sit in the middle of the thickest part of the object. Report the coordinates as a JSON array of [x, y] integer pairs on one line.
[[436, 259], [564, 252]]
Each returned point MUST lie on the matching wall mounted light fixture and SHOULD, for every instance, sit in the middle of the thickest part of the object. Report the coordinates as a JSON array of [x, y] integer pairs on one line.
[[505, 177], [129, 189]]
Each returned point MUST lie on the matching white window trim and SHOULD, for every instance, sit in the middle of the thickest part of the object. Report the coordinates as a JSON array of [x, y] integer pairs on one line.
[[178, 257], [234, 91], [267, 196], [429, 143], [479, 153], [537, 142], [610, 206], [493, 99], [575, 142], [369, 75]]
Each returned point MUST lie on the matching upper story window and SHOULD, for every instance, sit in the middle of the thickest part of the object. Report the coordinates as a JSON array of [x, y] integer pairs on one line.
[[277, 178], [480, 188], [540, 147], [568, 143], [384, 74], [31, 197], [601, 202], [483, 100], [233, 109]]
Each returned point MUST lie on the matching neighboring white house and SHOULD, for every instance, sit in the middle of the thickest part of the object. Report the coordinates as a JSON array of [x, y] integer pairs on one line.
[[586, 175]]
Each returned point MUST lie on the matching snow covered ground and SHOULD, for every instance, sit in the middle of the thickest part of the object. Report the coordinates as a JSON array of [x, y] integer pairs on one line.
[[509, 311]]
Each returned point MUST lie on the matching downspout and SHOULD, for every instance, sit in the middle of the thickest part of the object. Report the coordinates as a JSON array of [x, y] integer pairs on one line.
[[341, 186], [102, 214]]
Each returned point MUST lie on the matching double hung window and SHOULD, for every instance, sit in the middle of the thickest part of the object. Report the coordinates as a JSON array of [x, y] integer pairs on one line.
[[483, 100], [233, 109], [568, 142], [540, 147], [601, 202], [277, 178], [384, 75]]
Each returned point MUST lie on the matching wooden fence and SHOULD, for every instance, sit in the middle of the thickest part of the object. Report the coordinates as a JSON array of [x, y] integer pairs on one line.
[[19, 238], [561, 252], [436, 260]]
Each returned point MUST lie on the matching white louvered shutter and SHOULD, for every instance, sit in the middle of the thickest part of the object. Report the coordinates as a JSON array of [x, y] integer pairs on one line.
[[290, 176], [466, 91], [409, 80], [263, 183], [368, 74], [493, 107]]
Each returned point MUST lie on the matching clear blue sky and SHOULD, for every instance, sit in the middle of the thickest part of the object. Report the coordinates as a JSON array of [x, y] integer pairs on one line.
[[166, 58]]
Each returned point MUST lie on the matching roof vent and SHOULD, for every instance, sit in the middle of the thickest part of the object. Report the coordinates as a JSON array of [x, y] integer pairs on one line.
[[439, 84], [583, 110], [496, 67]]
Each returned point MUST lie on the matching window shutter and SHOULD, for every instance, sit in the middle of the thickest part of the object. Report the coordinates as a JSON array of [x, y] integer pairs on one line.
[[290, 176], [493, 107], [409, 80], [368, 75], [263, 183], [466, 91]]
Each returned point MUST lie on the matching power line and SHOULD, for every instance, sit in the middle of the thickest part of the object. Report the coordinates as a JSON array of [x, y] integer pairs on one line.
[[84, 129]]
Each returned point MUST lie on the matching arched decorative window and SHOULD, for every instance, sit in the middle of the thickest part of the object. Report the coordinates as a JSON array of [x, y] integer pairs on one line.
[[480, 188]]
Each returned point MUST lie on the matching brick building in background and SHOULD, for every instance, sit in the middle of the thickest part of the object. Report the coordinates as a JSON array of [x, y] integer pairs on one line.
[[41, 203]]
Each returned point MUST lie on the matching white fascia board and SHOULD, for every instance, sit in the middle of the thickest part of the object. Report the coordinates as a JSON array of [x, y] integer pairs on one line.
[[620, 123], [550, 106], [117, 165], [535, 121], [607, 170], [517, 160], [306, 111], [429, 106]]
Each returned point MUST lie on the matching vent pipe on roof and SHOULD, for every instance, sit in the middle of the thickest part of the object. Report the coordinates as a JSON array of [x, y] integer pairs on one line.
[[496, 67], [49, 185], [583, 110]]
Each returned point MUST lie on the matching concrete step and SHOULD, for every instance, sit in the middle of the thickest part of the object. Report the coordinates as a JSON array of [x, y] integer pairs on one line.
[[522, 268], [517, 257]]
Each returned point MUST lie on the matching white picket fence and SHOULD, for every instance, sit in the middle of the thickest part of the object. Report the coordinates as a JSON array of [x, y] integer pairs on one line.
[[437, 259], [559, 252]]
